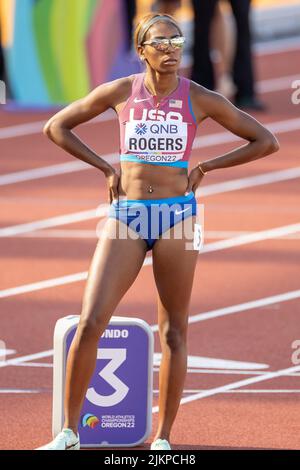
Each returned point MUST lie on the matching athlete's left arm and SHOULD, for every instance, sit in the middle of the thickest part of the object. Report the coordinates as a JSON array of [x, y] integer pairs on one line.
[[261, 142]]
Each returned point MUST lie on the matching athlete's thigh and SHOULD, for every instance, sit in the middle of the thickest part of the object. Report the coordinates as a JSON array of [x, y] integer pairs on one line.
[[174, 262], [115, 265]]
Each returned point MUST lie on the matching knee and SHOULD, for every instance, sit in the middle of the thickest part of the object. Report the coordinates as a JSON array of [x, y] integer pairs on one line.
[[90, 328], [174, 337]]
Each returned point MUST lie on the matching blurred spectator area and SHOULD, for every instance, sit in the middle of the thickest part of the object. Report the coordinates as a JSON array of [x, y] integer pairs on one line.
[[56, 51], [270, 19]]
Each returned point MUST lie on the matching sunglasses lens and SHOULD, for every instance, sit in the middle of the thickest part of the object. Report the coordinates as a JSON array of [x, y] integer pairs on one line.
[[164, 44], [177, 42]]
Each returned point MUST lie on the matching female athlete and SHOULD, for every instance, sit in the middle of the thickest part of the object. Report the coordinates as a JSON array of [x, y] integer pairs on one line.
[[158, 113]]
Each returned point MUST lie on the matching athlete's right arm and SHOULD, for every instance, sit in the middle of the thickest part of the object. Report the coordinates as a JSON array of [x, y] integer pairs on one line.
[[59, 127]]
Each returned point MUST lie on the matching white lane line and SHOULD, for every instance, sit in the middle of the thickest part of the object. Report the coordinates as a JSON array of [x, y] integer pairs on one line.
[[230, 372], [156, 369], [28, 357], [277, 46], [249, 182], [214, 246], [4, 351], [49, 365], [48, 283], [215, 363], [52, 170], [78, 234], [279, 127], [35, 364], [287, 125], [21, 129], [17, 391], [277, 84], [255, 391], [192, 319], [222, 234], [211, 140], [43, 172], [234, 385], [36, 127], [91, 234], [251, 238], [74, 217], [203, 191], [249, 390], [258, 303], [58, 281]]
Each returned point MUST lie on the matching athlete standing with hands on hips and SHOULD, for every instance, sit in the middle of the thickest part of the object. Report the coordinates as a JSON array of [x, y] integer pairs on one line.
[[153, 171]]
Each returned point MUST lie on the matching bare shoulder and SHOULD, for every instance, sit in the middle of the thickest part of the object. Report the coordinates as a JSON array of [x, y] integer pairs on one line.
[[115, 91], [122, 87], [207, 103], [104, 96]]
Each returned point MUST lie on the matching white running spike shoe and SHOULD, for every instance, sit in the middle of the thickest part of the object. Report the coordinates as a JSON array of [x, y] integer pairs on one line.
[[160, 444], [65, 440]]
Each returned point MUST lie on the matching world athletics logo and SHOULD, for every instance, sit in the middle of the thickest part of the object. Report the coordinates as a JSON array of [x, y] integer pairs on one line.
[[141, 128], [89, 420]]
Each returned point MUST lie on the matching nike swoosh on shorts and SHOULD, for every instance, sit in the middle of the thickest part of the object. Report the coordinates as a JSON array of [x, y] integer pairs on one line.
[[180, 212]]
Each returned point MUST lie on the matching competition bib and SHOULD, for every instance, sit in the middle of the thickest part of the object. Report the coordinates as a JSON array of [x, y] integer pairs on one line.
[[160, 141]]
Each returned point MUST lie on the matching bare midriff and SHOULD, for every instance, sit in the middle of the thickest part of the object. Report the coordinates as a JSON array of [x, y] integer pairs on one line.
[[137, 178]]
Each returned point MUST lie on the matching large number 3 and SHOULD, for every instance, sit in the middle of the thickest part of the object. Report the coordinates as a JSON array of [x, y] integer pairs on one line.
[[117, 356]]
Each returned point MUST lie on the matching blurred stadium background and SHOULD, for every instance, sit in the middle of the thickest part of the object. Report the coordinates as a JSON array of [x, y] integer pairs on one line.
[[63, 49]]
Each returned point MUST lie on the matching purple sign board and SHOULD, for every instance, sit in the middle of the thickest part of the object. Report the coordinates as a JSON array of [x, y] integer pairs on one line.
[[117, 410]]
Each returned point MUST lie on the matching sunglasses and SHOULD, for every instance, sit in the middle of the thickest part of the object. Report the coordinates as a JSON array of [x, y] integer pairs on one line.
[[164, 44]]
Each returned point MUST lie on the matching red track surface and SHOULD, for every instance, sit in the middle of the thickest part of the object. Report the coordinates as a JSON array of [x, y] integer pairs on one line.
[[226, 277]]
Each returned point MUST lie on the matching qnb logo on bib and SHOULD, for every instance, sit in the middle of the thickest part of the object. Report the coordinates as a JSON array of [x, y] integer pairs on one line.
[[163, 139], [141, 128]]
